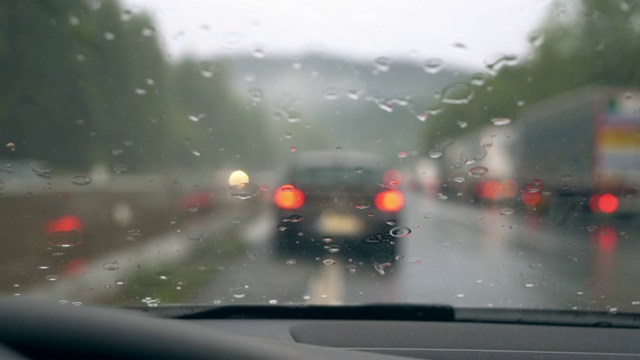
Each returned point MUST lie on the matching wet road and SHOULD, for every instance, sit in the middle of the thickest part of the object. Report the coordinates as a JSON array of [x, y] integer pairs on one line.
[[456, 254]]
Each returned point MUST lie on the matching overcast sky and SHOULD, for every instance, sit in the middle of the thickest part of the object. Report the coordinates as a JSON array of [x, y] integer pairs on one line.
[[458, 31]]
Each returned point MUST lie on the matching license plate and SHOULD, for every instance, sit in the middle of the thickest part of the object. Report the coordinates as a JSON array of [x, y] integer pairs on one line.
[[332, 223]]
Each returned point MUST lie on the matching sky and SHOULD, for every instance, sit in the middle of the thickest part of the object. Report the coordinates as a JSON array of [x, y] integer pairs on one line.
[[464, 32]]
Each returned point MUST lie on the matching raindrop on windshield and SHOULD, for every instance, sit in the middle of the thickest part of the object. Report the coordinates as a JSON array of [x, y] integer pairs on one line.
[[363, 206], [457, 94], [536, 39], [111, 266], [140, 91], [163, 275], [331, 93], [434, 65], [332, 248], [81, 180], [459, 178], [500, 121], [290, 262], [328, 262], [435, 153], [119, 168], [109, 36], [11, 146], [327, 240], [65, 239], [196, 118], [506, 211], [400, 231], [258, 53], [42, 169], [382, 63], [51, 278], [478, 171]]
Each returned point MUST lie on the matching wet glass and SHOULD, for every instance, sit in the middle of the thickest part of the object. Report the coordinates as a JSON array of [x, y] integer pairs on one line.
[[482, 154]]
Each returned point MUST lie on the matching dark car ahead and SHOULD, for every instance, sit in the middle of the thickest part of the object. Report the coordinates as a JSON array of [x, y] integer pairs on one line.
[[341, 204]]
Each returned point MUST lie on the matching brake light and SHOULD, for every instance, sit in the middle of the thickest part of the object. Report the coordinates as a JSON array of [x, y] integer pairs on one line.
[[531, 196], [605, 203], [389, 200], [288, 197], [63, 224]]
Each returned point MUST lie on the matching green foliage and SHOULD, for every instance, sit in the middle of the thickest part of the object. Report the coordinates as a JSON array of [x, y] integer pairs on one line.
[[87, 82], [578, 44]]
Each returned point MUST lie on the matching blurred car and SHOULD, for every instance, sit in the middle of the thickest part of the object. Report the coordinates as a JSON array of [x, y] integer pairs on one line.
[[339, 203]]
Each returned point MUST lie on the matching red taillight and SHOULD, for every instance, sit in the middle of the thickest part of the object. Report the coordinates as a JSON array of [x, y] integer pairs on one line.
[[389, 200], [607, 203], [531, 196], [63, 224], [288, 197]]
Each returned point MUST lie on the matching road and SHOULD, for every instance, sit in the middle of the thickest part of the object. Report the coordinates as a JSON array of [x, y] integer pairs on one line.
[[457, 254]]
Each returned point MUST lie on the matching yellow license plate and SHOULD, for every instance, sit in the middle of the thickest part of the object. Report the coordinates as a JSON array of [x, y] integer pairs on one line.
[[332, 223]]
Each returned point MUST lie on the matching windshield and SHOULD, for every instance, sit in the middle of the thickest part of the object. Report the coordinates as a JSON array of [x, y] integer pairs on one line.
[[477, 154]]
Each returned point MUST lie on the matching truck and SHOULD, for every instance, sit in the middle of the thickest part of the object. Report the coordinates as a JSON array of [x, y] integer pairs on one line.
[[584, 145]]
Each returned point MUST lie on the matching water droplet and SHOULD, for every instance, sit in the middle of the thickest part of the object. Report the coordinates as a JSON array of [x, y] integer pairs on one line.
[[151, 302], [363, 206], [245, 191], [81, 180], [196, 152], [109, 36], [331, 93], [536, 39], [478, 171], [382, 63], [459, 178], [163, 275], [140, 91], [354, 94], [635, 303], [114, 265], [232, 39], [63, 302], [386, 106], [327, 240], [472, 155], [422, 116], [117, 152], [506, 211], [462, 124], [442, 196], [328, 262], [433, 66], [500, 121], [119, 168], [457, 94], [459, 296], [531, 284], [479, 281], [11, 146], [400, 231], [381, 266], [295, 218], [51, 278], [255, 95], [65, 239], [290, 262], [565, 177], [306, 297], [148, 31], [120, 282], [73, 21], [273, 302], [333, 248], [258, 53], [535, 265], [293, 149], [592, 228], [435, 153], [133, 234]]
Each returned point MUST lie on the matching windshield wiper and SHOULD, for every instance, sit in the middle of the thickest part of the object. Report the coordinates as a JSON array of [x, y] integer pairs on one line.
[[400, 312]]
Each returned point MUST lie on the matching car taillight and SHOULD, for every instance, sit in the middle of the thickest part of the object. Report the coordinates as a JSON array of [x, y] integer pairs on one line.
[[288, 197], [605, 203], [63, 224], [389, 200], [531, 196]]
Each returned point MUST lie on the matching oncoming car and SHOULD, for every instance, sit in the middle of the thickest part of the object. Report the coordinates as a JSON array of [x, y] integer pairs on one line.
[[339, 203]]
